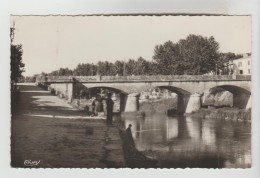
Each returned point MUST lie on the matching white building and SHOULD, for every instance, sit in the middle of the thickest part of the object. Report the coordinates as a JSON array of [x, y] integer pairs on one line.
[[241, 66]]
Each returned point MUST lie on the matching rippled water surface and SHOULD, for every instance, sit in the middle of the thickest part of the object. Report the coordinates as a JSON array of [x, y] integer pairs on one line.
[[193, 142]]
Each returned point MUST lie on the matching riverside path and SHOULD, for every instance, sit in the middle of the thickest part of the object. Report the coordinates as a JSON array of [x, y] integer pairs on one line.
[[49, 132]]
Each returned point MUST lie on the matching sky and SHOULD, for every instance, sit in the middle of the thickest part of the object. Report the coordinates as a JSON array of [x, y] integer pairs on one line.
[[51, 42]]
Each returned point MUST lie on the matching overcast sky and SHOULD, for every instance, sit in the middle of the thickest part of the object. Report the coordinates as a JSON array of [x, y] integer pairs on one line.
[[52, 42]]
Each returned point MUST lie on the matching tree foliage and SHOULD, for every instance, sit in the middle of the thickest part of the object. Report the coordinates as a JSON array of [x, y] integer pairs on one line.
[[62, 71], [167, 58], [195, 55], [225, 57], [85, 69], [106, 68], [17, 65]]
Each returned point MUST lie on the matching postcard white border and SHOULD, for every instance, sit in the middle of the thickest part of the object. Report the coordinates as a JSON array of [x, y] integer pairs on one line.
[[73, 7]]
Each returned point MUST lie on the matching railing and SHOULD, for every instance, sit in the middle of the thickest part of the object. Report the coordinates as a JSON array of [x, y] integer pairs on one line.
[[243, 77], [144, 78]]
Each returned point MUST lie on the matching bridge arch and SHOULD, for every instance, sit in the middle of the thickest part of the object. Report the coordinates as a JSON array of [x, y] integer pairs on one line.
[[125, 97], [241, 95], [116, 90], [234, 89], [183, 97], [177, 90], [122, 95]]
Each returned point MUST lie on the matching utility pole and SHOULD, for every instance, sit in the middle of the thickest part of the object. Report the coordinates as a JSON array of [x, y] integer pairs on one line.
[[124, 67], [12, 32], [97, 70], [92, 69], [12, 38]]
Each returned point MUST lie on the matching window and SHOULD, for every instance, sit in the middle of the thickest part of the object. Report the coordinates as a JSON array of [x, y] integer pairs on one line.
[[240, 71], [248, 63], [248, 71]]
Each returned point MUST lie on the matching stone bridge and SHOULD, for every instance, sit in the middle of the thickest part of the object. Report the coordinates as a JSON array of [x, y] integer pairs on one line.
[[189, 88]]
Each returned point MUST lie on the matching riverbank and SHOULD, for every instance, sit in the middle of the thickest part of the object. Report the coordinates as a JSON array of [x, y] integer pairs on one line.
[[158, 106], [46, 129], [67, 143], [168, 106], [226, 113]]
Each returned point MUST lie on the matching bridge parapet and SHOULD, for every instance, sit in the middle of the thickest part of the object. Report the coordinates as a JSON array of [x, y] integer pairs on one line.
[[145, 78], [175, 78], [243, 77], [54, 79]]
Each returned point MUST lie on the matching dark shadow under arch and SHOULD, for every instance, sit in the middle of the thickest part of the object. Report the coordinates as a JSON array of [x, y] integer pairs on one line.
[[234, 89], [116, 90], [176, 90], [240, 95], [123, 95], [183, 97]]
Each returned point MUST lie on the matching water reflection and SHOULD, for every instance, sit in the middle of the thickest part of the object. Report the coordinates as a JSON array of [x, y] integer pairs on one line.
[[193, 142]]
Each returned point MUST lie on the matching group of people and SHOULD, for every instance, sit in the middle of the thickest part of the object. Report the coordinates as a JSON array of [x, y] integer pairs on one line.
[[98, 108]]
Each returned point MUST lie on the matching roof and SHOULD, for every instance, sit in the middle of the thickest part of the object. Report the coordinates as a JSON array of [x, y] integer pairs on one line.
[[242, 58]]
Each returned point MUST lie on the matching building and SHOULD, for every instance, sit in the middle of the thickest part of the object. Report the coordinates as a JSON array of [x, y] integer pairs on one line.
[[240, 66]]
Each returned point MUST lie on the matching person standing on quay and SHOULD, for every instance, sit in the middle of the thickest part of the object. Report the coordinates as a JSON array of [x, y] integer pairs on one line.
[[93, 104], [110, 105], [99, 106]]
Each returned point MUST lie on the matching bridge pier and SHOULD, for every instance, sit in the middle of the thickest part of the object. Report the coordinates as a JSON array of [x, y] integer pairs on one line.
[[182, 103], [249, 103], [66, 89], [132, 102], [123, 99], [241, 100], [69, 91], [194, 103]]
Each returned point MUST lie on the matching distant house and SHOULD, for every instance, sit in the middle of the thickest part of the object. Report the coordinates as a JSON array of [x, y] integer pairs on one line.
[[240, 66]]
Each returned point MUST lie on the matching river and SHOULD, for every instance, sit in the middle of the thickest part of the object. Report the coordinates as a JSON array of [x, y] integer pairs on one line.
[[180, 142]]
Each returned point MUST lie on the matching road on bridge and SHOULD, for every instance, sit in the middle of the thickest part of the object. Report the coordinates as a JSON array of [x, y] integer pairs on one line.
[[44, 129]]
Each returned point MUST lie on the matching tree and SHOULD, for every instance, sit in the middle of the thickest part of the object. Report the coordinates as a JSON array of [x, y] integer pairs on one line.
[[225, 57], [130, 67], [62, 72], [65, 71], [85, 70], [17, 65], [200, 54], [194, 55], [30, 79], [141, 67], [119, 65], [110, 68], [167, 56], [106, 68], [152, 69], [22, 79], [136, 67]]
